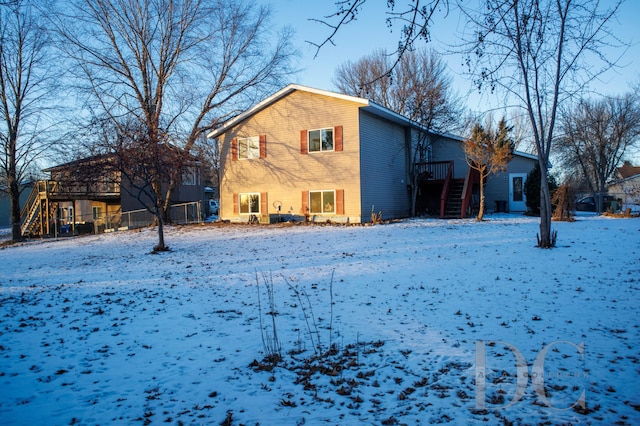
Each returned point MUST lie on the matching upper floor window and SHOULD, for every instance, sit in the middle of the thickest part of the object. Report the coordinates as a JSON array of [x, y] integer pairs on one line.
[[321, 140], [189, 176], [249, 148]]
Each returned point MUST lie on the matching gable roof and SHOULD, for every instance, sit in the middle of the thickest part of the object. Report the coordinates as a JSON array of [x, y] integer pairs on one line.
[[627, 170], [367, 105]]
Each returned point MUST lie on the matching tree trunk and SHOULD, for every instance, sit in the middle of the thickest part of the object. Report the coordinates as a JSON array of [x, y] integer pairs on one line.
[[414, 193], [545, 239], [481, 208], [14, 200], [161, 246]]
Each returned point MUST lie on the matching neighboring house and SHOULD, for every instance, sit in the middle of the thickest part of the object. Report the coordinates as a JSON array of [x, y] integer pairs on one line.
[[626, 186], [311, 154], [88, 195]]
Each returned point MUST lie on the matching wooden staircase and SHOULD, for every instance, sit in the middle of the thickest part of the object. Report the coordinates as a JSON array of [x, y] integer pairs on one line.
[[453, 206], [37, 211]]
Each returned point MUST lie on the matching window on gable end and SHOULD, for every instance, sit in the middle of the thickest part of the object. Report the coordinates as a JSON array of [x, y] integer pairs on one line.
[[249, 148], [321, 140]]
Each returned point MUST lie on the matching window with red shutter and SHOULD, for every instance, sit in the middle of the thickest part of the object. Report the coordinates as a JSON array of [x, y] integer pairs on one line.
[[234, 149], [339, 201], [264, 206], [304, 147], [263, 146], [337, 136]]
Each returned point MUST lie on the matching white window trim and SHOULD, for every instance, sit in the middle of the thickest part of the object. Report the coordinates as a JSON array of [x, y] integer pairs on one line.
[[256, 152], [333, 140], [240, 204], [95, 209], [323, 212]]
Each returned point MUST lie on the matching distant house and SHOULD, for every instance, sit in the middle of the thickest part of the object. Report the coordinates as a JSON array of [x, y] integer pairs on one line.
[[89, 195], [318, 155], [626, 186]]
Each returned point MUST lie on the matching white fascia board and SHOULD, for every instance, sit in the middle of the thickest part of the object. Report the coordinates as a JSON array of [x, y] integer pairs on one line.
[[276, 96]]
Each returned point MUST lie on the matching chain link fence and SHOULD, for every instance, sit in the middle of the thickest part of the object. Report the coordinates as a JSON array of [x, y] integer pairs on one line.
[[99, 223]]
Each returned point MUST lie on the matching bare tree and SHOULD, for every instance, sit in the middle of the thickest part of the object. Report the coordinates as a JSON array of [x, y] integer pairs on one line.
[[488, 152], [24, 87], [595, 136], [418, 87], [176, 67], [414, 19], [541, 53]]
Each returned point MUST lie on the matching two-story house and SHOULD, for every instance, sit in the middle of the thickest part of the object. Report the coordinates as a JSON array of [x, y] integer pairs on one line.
[[90, 195], [318, 155]]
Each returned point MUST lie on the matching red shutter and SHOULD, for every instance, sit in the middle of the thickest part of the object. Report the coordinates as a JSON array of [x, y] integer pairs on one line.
[[264, 206], [339, 201], [337, 138], [235, 204], [263, 146], [234, 149], [305, 202], [304, 146]]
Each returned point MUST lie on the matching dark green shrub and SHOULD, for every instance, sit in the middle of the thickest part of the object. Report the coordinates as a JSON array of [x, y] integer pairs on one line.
[[532, 189]]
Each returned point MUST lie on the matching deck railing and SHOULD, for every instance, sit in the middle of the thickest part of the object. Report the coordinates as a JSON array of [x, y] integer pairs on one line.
[[434, 170]]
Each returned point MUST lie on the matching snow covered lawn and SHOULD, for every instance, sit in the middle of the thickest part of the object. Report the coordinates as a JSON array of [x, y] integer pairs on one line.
[[428, 321]]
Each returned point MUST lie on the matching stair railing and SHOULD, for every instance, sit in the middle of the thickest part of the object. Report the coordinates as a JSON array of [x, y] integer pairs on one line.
[[446, 189], [30, 208], [469, 180]]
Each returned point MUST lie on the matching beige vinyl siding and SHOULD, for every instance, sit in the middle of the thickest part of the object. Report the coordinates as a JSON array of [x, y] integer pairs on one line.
[[497, 186], [383, 164], [285, 172]]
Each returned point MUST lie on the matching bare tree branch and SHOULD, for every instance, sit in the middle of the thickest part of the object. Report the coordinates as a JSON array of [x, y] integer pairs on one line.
[[595, 137], [415, 20], [541, 53], [177, 68], [25, 90]]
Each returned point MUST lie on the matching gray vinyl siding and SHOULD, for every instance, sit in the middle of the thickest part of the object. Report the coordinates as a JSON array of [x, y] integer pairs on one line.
[[383, 168], [497, 186], [446, 149]]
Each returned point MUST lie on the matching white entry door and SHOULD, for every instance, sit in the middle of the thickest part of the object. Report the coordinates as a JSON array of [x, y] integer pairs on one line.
[[517, 199]]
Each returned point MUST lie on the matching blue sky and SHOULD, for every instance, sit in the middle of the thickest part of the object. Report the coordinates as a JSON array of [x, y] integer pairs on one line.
[[371, 32]]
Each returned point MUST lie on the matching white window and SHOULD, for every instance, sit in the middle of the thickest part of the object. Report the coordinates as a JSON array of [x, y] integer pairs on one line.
[[249, 148], [96, 212], [321, 140], [249, 203], [70, 214], [322, 202]]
